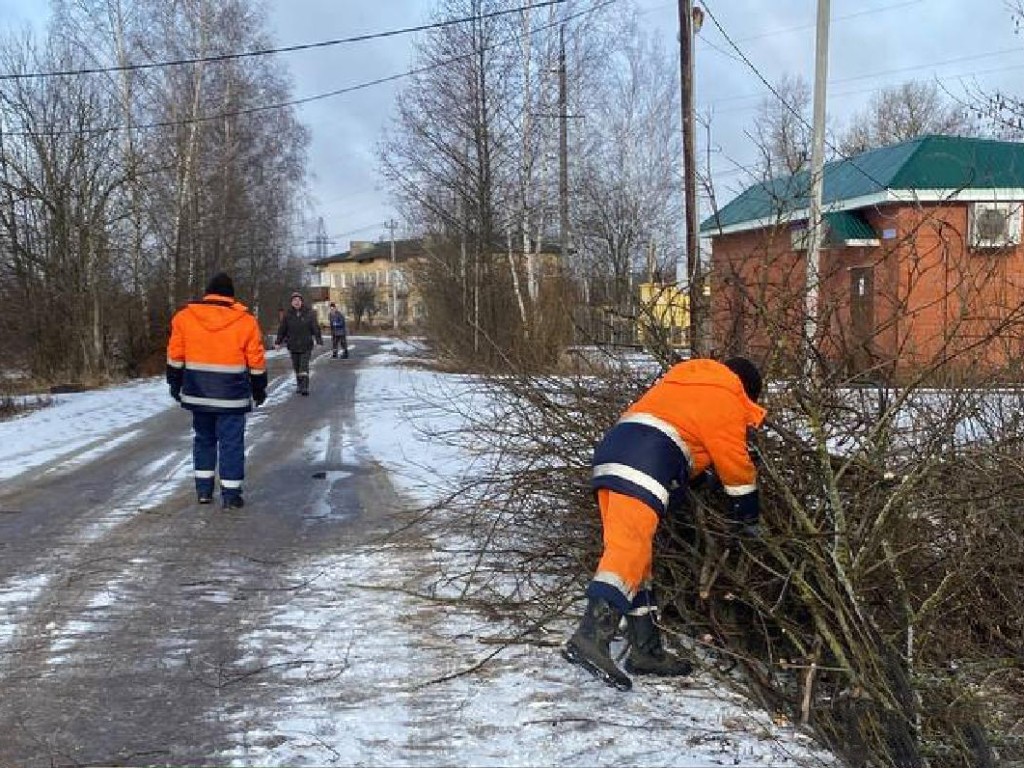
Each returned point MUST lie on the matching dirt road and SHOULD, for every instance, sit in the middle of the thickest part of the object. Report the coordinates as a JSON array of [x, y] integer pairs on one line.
[[122, 602]]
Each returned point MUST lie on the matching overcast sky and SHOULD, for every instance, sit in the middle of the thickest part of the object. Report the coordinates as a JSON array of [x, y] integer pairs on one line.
[[873, 43]]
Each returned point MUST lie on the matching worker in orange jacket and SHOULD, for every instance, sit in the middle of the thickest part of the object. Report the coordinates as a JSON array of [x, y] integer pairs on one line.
[[216, 368], [694, 418]]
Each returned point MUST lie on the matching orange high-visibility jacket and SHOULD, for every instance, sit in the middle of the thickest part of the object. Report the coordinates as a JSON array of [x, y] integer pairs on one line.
[[695, 416], [215, 356]]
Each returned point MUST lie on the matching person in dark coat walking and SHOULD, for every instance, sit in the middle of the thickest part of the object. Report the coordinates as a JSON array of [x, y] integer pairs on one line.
[[339, 334], [216, 369], [298, 330]]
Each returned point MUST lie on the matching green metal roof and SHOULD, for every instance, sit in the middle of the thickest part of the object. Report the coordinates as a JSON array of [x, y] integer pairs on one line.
[[927, 162], [848, 225]]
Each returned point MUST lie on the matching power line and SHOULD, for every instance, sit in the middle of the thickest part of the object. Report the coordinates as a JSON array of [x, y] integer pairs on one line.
[[957, 76], [894, 70], [866, 12], [784, 102], [220, 57], [315, 97], [786, 30]]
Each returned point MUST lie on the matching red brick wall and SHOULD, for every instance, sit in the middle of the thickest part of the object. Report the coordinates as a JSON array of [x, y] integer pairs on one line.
[[935, 302]]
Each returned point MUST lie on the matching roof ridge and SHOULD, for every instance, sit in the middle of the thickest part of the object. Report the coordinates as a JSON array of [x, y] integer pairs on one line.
[[922, 140]]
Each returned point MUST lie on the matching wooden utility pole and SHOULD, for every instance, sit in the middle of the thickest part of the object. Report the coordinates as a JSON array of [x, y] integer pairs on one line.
[[391, 225], [817, 180], [563, 150], [694, 273]]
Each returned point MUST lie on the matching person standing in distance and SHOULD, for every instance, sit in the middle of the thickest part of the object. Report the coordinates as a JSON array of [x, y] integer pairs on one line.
[[693, 418], [299, 329], [339, 335], [216, 369]]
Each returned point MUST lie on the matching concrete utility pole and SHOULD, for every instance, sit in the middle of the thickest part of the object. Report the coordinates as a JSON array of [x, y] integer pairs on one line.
[[814, 222], [688, 19], [527, 167], [391, 225], [563, 150]]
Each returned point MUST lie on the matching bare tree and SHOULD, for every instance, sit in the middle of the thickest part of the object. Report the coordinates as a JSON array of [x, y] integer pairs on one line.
[[61, 175], [904, 112], [878, 607], [782, 129], [469, 160], [628, 199], [362, 301], [171, 173]]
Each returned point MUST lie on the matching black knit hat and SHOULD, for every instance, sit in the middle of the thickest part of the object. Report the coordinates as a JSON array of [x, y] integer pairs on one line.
[[748, 375], [221, 285]]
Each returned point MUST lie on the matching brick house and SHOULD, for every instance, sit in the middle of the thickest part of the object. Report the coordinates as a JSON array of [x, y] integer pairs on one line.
[[921, 268]]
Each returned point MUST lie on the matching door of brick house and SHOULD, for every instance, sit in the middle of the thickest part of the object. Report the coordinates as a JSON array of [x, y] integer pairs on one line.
[[862, 318]]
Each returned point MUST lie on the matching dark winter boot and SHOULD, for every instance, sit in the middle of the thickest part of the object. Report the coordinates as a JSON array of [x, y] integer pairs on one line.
[[647, 654], [232, 501], [204, 489], [589, 646]]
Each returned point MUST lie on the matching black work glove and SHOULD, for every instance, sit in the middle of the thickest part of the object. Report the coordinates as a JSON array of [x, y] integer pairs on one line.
[[175, 377], [259, 397], [745, 516]]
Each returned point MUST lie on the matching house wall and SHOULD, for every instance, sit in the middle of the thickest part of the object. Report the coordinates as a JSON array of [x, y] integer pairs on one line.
[[934, 302], [959, 304], [757, 296], [340, 277]]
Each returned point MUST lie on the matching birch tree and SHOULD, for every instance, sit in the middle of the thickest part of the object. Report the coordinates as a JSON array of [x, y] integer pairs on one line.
[[628, 192], [454, 159]]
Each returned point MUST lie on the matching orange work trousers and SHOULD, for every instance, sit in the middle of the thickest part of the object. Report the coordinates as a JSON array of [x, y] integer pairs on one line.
[[629, 527]]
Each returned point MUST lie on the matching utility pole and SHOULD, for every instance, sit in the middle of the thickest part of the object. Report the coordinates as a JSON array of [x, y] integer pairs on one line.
[[688, 19], [391, 225], [817, 181], [563, 150], [527, 167]]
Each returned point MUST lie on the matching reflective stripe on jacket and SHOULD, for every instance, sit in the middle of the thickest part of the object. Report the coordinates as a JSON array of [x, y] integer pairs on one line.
[[215, 356], [694, 417]]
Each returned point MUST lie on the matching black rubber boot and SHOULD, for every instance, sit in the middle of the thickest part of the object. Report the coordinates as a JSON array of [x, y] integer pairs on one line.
[[234, 501], [589, 646], [647, 654]]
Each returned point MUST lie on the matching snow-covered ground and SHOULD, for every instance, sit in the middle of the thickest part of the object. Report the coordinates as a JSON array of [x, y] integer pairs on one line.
[[424, 698]]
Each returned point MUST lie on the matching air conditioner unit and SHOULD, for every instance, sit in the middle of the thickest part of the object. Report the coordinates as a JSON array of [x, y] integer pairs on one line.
[[995, 225]]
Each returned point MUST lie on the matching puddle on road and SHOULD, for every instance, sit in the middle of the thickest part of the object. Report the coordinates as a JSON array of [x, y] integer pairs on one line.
[[322, 505]]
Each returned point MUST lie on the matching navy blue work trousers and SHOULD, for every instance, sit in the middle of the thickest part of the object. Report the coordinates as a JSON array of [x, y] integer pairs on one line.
[[219, 443]]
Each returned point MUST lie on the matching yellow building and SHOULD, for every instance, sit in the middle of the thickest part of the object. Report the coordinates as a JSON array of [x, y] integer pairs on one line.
[[370, 284], [665, 307]]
